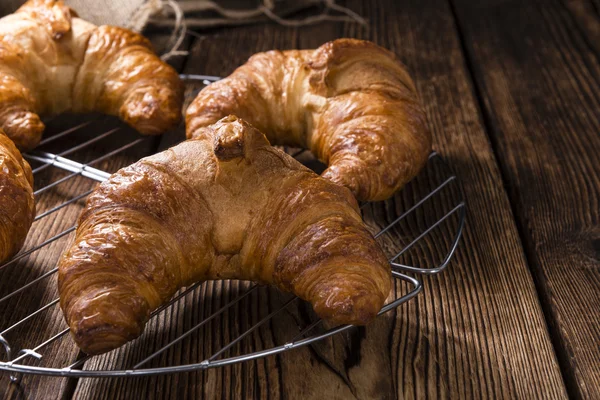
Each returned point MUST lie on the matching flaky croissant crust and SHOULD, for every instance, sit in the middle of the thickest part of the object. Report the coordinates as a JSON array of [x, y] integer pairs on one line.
[[17, 206], [225, 206], [51, 61], [349, 101]]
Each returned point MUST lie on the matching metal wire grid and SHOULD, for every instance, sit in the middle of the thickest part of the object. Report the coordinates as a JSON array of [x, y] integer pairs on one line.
[[60, 160]]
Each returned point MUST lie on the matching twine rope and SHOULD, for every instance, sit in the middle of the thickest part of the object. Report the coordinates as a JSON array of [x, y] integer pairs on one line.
[[180, 26], [154, 7]]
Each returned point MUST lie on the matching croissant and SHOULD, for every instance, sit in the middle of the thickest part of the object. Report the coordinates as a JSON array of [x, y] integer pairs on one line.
[[349, 101], [17, 206], [51, 61], [224, 206]]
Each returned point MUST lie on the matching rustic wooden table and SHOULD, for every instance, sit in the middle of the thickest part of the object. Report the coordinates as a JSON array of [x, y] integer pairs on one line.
[[511, 90]]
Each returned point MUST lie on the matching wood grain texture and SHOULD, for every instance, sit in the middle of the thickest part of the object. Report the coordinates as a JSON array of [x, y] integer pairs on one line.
[[477, 331], [539, 79], [586, 15]]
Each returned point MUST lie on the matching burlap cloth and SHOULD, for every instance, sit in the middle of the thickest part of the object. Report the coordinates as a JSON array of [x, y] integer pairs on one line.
[[196, 14]]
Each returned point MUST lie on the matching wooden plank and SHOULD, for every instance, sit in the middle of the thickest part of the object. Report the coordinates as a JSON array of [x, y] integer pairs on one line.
[[586, 14], [433, 56], [476, 331], [35, 331], [538, 77]]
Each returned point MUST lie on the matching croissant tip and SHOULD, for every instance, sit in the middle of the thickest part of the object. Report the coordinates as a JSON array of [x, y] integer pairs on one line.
[[350, 305], [229, 139], [102, 317], [100, 340], [357, 310], [25, 129], [96, 335], [151, 115], [233, 137]]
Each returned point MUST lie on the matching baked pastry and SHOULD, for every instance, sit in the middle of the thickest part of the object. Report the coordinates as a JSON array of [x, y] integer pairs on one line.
[[17, 206], [349, 101], [51, 62], [224, 206]]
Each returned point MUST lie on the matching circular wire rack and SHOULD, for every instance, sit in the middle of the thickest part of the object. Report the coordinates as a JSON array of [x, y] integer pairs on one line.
[[25, 358]]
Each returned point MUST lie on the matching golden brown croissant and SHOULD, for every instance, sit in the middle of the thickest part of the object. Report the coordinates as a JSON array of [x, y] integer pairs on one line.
[[17, 206], [224, 206], [349, 101], [51, 61]]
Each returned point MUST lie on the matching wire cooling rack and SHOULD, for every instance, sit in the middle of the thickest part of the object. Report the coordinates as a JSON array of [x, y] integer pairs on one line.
[[148, 360]]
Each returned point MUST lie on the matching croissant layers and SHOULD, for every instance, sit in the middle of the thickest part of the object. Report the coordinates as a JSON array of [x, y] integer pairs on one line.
[[224, 206], [17, 206], [51, 62], [349, 101]]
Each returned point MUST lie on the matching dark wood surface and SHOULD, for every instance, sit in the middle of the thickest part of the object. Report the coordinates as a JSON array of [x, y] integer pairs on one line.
[[511, 93], [542, 107]]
